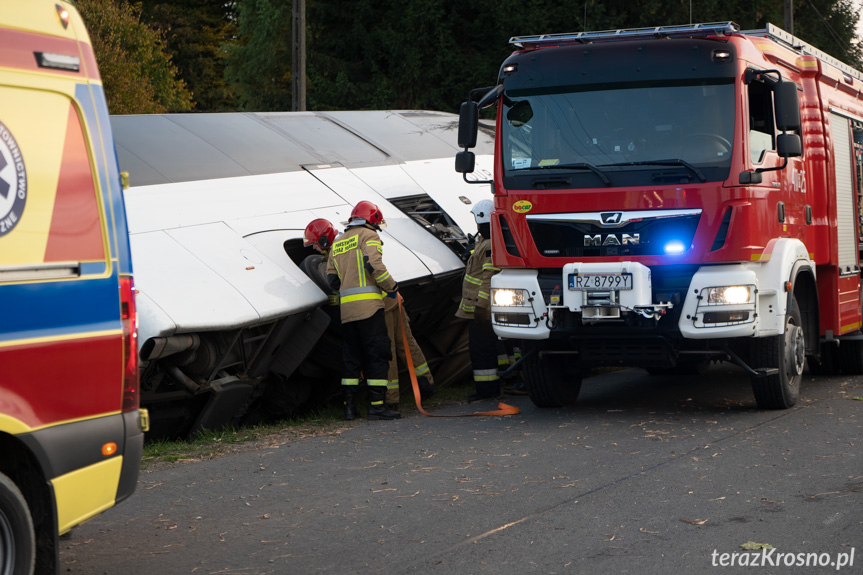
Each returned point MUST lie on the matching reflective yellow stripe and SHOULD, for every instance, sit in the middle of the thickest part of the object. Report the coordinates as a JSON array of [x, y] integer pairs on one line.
[[394, 384], [472, 280], [377, 382], [361, 270], [361, 297], [482, 295], [350, 382], [421, 369], [382, 277]]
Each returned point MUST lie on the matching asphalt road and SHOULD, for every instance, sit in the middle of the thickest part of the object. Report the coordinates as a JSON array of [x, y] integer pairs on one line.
[[646, 475]]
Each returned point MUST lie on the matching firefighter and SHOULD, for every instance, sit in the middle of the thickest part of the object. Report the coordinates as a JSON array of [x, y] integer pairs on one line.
[[476, 307], [319, 235], [425, 381], [356, 270]]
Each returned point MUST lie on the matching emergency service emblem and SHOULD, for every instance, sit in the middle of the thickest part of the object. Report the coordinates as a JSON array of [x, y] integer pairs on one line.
[[13, 181]]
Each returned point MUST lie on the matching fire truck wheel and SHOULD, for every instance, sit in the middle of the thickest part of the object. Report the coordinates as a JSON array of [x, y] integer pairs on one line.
[[787, 353], [552, 379], [17, 538]]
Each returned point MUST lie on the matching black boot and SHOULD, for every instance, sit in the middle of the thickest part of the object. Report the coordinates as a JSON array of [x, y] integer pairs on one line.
[[377, 409], [350, 403], [426, 389]]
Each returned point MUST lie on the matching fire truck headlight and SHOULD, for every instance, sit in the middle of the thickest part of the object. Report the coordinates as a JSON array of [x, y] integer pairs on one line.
[[729, 295], [506, 297], [674, 247]]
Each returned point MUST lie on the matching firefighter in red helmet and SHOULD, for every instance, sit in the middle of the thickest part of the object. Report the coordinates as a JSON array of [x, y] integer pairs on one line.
[[319, 235], [356, 269]]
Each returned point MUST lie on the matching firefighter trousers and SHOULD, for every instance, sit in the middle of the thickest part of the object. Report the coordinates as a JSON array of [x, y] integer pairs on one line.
[[483, 356], [366, 351], [397, 349]]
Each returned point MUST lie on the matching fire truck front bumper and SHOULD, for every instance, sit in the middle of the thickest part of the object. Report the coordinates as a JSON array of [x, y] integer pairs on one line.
[[599, 292]]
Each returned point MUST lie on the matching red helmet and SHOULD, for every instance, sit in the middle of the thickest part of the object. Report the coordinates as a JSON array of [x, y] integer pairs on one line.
[[319, 232], [369, 212]]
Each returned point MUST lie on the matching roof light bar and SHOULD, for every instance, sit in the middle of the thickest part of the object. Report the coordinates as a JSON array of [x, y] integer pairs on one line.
[[684, 31], [801, 47]]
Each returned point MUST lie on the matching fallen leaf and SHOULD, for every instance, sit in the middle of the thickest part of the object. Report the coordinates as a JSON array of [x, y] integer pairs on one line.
[[643, 530], [752, 545], [857, 398], [695, 521]]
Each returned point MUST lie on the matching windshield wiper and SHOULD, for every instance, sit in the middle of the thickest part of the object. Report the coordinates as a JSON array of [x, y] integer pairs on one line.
[[581, 166], [669, 162]]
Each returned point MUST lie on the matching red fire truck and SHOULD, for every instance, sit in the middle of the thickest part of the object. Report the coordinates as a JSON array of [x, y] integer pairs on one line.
[[671, 196]]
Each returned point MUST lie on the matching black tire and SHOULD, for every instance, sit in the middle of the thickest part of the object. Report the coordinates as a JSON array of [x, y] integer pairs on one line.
[[552, 379], [17, 538], [785, 352]]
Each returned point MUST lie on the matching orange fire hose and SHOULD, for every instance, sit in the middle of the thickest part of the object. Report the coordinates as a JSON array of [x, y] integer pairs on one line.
[[502, 408]]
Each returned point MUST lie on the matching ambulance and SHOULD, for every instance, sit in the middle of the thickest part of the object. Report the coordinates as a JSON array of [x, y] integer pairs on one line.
[[71, 431]]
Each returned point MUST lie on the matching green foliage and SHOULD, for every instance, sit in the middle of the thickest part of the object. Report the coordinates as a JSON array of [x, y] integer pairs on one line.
[[194, 31], [428, 54], [137, 75], [379, 54], [259, 64]]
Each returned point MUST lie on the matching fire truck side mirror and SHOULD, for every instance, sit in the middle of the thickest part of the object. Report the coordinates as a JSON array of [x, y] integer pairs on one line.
[[465, 162], [468, 125], [789, 146], [787, 106]]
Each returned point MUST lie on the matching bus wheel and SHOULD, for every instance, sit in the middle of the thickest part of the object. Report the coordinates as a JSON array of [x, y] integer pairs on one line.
[[787, 353], [17, 538], [552, 380]]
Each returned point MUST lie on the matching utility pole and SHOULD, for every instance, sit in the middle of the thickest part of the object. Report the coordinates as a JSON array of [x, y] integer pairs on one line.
[[298, 56], [789, 16]]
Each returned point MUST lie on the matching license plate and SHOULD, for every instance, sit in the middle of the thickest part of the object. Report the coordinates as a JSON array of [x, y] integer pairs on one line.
[[591, 282]]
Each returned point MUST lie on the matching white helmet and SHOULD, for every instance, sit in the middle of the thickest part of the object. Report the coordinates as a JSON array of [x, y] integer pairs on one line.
[[482, 211]]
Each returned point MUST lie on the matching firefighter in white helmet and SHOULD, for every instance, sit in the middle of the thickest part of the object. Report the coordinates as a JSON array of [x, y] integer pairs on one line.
[[475, 306], [356, 269]]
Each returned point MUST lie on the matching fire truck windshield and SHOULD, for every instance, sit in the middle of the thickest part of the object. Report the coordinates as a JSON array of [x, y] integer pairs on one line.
[[629, 134]]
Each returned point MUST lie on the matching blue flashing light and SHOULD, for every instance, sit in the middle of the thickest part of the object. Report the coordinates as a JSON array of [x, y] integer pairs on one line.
[[674, 247]]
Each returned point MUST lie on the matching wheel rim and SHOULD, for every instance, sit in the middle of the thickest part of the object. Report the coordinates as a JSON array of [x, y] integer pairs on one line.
[[7, 547], [795, 350]]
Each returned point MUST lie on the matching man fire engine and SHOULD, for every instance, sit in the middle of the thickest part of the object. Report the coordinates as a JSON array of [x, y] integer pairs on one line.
[[670, 196]]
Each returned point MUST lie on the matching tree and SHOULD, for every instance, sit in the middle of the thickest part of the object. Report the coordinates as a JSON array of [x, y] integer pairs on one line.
[[195, 32], [258, 65], [137, 75]]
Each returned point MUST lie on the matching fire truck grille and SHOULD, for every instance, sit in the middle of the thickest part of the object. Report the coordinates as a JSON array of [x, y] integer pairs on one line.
[[612, 351], [642, 237]]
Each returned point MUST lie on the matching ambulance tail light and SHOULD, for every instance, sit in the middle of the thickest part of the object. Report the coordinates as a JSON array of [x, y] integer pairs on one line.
[[129, 315]]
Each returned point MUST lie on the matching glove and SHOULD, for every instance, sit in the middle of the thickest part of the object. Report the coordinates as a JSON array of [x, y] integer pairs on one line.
[[393, 294]]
